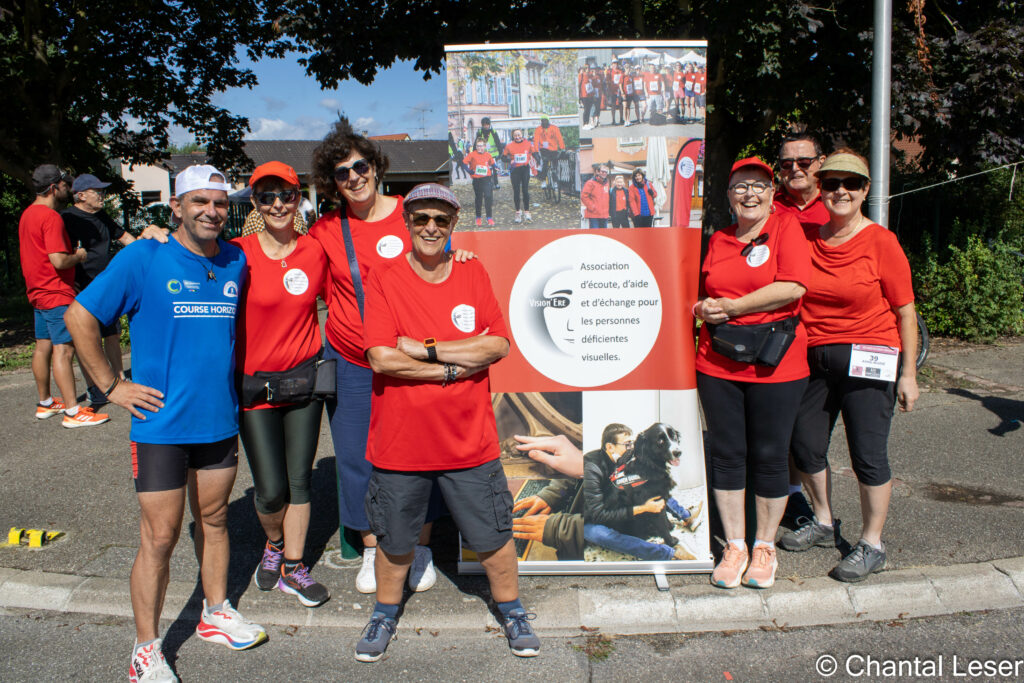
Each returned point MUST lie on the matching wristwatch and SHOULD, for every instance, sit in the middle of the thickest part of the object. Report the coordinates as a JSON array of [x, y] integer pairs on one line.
[[431, 345]]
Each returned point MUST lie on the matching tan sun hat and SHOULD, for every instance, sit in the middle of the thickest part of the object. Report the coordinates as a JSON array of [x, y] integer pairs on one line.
[[843, 161]]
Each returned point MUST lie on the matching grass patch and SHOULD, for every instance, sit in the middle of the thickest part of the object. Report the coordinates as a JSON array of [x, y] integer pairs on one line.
[[596, 646]]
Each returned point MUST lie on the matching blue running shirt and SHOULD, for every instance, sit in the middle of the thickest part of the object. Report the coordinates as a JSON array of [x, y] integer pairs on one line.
[[183, 334]]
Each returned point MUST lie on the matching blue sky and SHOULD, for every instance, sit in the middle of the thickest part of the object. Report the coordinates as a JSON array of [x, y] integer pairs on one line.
[[288, 104]]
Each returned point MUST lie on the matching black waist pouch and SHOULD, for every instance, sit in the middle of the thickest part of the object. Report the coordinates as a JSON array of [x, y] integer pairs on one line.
[[764, 344], [294, 385]]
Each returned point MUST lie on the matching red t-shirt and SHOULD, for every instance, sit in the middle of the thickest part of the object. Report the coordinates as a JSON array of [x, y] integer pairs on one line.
[[727, 273], [652, 83], [814, 215], [418, 425], [479, 164], [376, 243], [277, 322], [41, 233], [853, 289], [688, 80], [700, 84], [519, 152]]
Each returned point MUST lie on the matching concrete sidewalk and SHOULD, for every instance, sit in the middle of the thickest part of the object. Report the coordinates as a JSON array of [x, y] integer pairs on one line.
[[953, 536]]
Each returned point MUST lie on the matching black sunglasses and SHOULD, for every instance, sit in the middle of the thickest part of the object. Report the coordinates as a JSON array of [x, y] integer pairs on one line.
[[268, 198], [756, 242], [421, 219], [851, 183], [803, 162], [360, 166]]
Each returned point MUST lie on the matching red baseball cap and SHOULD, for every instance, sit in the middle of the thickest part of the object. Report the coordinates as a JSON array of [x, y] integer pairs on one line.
[[754, 162], [274, 169]]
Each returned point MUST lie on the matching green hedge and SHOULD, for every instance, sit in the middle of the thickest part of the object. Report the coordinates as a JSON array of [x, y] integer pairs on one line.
[[976, 293]]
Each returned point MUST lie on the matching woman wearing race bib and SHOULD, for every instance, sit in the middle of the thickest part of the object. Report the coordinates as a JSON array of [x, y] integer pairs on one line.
[[751, 367], [277, 331], [862, 339], [481, 166], [518, 153]]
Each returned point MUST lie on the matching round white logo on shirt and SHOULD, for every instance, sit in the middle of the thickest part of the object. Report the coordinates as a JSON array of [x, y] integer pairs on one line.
[[231, 289], [389, 246], [464, 318], [758, 255], [296, 281]]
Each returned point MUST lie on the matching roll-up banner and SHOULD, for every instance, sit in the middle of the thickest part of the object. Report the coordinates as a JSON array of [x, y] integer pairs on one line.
[[579, 167]]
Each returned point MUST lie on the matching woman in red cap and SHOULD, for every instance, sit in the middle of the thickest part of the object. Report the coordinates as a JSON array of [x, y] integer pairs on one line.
[[751, 366], [278, 333]]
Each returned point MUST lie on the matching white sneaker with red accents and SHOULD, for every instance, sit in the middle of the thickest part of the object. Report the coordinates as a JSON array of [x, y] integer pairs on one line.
[[226, 626], [149, 666]]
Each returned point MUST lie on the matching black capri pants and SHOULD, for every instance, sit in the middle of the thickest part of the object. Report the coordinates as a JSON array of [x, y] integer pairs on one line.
[[750, 423], [280, 444], [483, 192], [867, 408], [520, 176]]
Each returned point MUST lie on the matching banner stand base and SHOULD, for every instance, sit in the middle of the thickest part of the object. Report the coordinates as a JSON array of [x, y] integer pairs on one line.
[[660, 580]]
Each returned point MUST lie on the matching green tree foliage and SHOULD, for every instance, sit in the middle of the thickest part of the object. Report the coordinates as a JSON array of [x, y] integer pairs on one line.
[[770, 64], [84, 83], [976, 294]]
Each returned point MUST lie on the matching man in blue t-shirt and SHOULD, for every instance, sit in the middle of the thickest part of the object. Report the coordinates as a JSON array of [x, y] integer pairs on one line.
[[181, 299]]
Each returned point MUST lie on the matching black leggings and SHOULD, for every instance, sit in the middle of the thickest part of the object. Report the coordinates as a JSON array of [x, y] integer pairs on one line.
[[643, 221], [750, 422], [620, 219], [520, 176], [483, 189], [867, 409], [280, 444]]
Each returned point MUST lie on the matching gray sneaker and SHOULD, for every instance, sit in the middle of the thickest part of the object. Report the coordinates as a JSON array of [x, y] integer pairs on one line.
[[808, 534], [521, 638], [862, 561], [377, 635]]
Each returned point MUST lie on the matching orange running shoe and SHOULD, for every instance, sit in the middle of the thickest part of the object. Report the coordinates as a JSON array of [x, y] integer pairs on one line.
[[729, 571], [55, 408], [85, 417], [763, 565]]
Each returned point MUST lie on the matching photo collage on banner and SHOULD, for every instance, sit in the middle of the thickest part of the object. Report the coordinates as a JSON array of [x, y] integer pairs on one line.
[[579, 167]]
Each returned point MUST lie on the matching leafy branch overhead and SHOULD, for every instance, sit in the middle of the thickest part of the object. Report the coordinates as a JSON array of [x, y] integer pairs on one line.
[[85, 83]]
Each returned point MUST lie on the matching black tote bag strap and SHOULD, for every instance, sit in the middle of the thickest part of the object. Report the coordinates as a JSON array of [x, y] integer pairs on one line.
[[353, 264]]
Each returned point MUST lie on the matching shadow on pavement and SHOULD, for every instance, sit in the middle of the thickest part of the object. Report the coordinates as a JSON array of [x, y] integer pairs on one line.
[[1009, 411]]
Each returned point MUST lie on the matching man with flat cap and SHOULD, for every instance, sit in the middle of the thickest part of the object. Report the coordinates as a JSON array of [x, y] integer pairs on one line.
[[181, 299], [433, 328], [91, 227]]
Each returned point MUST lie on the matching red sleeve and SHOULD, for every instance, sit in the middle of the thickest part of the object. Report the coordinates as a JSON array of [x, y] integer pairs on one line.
[[894, 270], [793, 260], [55, 237], [379, 327]]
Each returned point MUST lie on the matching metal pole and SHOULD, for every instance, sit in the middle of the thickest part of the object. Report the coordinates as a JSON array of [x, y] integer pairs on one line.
[[878, 199]]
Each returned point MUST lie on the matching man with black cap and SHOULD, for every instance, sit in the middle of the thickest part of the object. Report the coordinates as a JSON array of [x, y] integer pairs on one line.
[[91, 227], [427, 295], [48, 263]]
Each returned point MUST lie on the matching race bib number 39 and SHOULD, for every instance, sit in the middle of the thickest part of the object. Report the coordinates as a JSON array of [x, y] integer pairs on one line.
[[869, 361]]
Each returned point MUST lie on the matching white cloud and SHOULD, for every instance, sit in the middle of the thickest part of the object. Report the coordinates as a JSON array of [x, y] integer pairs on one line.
[[303, 128], [330, 104], [367, 123]]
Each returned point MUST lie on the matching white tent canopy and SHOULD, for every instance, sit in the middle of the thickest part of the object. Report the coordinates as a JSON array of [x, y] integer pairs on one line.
[[639, 52], [692, 57]]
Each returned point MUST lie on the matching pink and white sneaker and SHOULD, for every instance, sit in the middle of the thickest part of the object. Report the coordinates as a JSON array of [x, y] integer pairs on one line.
[[226, 626]]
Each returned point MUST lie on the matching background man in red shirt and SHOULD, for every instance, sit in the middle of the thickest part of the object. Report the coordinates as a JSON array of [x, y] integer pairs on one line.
[[48, 264], [800, 157]]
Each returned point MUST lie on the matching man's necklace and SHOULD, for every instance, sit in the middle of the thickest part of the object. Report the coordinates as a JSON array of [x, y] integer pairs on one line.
[[210, 275]]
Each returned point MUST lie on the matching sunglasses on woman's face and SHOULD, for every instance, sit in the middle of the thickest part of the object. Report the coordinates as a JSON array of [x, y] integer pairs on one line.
[[803, 162], [851, 183], [756, 242], [268, 198], [421, 219], [360, 166]]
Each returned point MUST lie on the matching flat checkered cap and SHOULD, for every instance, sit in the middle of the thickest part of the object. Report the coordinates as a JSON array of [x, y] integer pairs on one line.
[[433, 191]]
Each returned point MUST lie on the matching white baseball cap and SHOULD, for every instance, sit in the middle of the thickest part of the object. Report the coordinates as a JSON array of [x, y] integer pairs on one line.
[[199, 177]]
